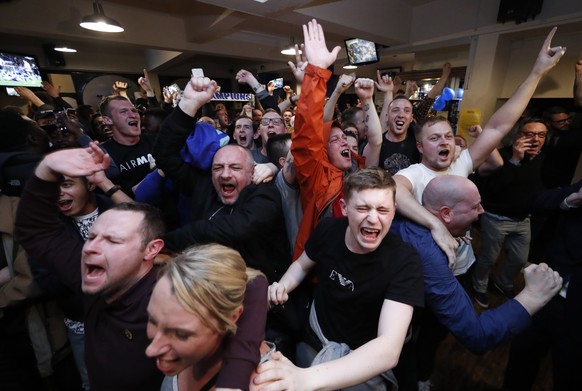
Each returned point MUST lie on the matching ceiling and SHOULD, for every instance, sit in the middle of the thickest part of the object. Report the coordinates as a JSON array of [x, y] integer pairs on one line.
[[222, 36]]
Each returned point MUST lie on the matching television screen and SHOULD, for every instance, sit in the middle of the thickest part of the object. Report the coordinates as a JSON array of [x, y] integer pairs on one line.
[[19, 70], [361, 51]]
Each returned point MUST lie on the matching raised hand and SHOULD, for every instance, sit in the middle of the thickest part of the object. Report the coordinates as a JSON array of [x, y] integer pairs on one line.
[[144, 82], [51, 90], [288, 92], [548, 56], [120, 88], [246, 77], [446, 70], [73, 162], [315, 47], [298, 68], [197, 93], [384, 83], [344, 82], [364, 88]]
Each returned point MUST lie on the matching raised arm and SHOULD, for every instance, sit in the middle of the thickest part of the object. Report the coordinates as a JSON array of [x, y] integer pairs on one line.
[[176, 129], [344, 82], [266, 100], [365, 91], [440, 85], [502, 121], [386, 86], [308, 145]]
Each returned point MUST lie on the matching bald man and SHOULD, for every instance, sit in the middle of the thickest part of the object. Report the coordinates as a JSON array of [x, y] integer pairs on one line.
[[456, 202]]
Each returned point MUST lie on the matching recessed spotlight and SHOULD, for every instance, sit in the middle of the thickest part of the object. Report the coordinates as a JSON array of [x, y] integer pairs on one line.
[[65, 49]]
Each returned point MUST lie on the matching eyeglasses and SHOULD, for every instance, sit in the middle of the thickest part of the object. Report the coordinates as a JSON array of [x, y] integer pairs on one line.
[[562, 121], [541, 135], [274, 121], [337, 137]]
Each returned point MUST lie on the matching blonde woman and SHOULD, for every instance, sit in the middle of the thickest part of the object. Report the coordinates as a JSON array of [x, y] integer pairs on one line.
[[194, 310]]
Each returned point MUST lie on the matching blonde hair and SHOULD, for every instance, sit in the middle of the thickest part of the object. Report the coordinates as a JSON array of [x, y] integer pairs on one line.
[[211, 277]]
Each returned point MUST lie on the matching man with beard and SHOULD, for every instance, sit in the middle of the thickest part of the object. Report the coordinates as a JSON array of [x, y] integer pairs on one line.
[[227, 208], [129, 149]]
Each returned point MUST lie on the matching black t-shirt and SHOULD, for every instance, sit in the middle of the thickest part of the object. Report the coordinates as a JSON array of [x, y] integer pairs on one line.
[[352, 287], [394, 156], [133, 162]]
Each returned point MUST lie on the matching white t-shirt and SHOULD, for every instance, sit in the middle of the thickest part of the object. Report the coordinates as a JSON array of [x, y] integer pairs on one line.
[[420, 175]]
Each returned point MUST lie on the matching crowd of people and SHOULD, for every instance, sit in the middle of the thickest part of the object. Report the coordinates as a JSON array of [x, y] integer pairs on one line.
[[294, 247]]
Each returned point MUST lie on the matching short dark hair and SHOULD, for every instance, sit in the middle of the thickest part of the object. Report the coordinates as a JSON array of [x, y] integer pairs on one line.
[[550, 111], [368, 178], [428, 122], [349, 115], [106, 100], [399, 97], [156, 112], [271, 110], [277, 147], [152, 224]]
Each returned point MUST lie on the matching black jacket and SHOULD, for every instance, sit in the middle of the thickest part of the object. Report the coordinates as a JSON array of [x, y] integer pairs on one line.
[[254, 225]]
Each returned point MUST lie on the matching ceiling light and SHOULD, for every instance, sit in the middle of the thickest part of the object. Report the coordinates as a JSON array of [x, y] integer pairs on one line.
[[65, 49], [99, 22], [261, 1], [290, 50], [350, 66]]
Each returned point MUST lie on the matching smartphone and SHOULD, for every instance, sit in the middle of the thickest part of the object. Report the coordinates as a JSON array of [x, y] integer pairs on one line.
[[173, 88], [278, 83], [62, 118], [11, 91], [197, 72]]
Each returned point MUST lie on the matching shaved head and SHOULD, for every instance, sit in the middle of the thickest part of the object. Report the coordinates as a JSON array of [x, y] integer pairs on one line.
[[446, 190], [455, 200]]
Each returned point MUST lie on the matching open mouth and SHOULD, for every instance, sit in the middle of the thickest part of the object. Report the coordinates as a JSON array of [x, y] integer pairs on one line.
[[133, 123], [399, 123], [444, 153], [65, 205], [370, 234], [228, 188], [242, 138], [167, 366], [270, 134], [93, 271], [345, 153]]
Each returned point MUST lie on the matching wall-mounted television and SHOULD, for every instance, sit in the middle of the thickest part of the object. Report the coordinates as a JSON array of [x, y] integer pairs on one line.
[[19, 70], [361, 51]]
